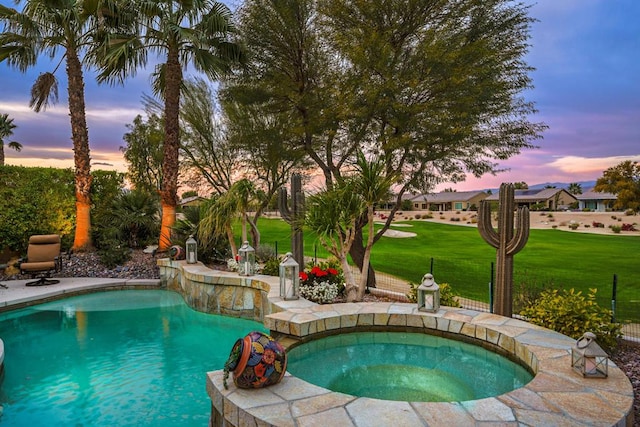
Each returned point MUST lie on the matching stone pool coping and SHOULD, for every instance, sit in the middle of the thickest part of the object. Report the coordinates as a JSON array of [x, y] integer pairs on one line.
[[556, 396]]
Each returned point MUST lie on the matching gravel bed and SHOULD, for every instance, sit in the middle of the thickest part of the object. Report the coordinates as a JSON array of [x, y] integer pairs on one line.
[[143, 266], [87, 264]]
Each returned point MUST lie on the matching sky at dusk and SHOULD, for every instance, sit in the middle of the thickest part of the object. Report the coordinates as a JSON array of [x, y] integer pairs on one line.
[[586, 55]]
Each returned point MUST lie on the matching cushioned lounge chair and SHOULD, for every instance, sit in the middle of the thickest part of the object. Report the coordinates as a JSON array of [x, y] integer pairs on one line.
[[43, 258]]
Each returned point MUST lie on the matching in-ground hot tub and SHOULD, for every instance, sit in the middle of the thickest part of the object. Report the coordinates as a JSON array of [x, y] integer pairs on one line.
[[414, 367]]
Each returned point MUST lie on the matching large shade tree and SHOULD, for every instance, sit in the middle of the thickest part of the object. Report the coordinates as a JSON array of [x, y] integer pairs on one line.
[[6, 130], [432, 87], [49, 27], [623, 180], [192, 33]]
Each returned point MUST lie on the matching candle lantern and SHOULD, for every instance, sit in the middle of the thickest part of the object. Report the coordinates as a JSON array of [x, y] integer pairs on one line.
[[428, 294], [192, 250], [289, 278], [588, 358], [247, 261]]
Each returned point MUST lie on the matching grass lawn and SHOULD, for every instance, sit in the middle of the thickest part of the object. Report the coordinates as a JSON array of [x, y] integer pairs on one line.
[[462, 258]]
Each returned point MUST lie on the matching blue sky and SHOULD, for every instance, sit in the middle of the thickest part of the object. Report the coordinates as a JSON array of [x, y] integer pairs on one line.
[[587, 89]]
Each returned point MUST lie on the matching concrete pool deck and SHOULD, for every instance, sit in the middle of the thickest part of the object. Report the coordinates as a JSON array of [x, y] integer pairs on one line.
[[557, 396]]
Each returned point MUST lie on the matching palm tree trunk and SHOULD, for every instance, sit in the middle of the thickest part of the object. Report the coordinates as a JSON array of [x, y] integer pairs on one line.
[[170, 163], [81, 154], [1, 154]]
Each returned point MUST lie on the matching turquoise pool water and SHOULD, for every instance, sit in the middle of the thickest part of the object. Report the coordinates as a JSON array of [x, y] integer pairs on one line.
[[124, 358], [405, 367]]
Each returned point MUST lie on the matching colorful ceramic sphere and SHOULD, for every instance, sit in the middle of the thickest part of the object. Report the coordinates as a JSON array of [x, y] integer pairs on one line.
[[257, 360], [176, 252]]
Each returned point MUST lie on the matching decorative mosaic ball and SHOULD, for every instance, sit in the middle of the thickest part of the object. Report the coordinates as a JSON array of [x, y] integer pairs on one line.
[[176, 252], [257, 360]]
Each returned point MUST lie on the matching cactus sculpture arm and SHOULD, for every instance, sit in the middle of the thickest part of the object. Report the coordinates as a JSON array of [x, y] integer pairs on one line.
[[294, 216], [506, 243]]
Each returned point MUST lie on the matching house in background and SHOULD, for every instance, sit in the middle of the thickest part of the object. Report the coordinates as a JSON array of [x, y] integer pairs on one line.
[[448, 201], [541, 199], [595, 201]]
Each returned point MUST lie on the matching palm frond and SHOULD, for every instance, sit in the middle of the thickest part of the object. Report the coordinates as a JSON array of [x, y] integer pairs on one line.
[[44, 91]]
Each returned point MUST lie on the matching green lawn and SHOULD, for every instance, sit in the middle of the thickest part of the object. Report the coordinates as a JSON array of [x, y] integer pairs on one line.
[[462, 258]]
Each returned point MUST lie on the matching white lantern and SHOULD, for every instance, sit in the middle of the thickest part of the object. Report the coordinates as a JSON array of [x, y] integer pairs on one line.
[[192, 250], [588, 358], [247, 261], [428, 294], [289, 278]]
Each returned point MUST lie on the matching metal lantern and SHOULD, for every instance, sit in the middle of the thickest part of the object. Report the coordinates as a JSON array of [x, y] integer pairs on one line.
[[289, 278], [192, 250], [588, 358], [428, 294], [247, 261]]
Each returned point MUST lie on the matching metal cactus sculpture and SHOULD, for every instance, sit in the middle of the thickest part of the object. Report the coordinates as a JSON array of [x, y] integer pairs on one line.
[[507, 243], [294, 216]]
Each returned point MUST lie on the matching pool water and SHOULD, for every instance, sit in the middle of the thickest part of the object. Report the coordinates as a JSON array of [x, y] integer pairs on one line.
[[119, 358], [405, 367]]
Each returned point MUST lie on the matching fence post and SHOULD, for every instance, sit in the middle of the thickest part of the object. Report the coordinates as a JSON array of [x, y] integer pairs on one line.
[[431, 266], [491, 290], [276, 245], [614, 297], [315, 254]]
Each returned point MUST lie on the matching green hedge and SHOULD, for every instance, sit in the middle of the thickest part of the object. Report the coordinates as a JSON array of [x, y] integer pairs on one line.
[[37, 200]]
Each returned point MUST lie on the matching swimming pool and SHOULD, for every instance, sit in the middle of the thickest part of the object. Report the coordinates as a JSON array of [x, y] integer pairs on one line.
[[113, 358], [402, 366]]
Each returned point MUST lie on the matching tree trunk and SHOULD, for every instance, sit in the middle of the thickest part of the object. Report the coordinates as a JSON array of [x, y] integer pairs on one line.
[[357, 255], [170, 162], [367, 255], [1, 154], [351, 289], [81, 155], [232, 242]]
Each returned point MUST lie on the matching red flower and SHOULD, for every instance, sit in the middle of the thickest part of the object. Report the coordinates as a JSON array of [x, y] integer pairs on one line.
[[332, 271], [321, 273], [303, 276], [316, 271]]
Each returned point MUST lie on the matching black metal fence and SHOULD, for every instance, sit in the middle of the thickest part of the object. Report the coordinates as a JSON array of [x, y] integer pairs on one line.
[[527, 285]]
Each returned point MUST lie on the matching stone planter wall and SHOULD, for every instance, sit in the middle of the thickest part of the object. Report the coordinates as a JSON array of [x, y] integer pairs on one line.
[[219, 292]]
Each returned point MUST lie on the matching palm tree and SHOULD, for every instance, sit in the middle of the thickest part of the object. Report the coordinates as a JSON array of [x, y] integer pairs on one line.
[[373, 185], [6, 130], [575, 188], [193, 33], [332, 215], [45, 27], [217, 220]]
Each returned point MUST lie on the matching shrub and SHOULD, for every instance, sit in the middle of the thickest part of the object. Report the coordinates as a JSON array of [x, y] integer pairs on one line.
[[417, 216], [597, 224], [616, 229], [554, 226], [265, 252], [112, 251], [271, 267], [447, 295], [574, 225], [614, 217], [572, 314], [428, 216], [134, 215], [629, 212], [628, 227]]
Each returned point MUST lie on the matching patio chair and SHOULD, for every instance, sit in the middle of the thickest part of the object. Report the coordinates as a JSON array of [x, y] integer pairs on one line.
[[43, 258]]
